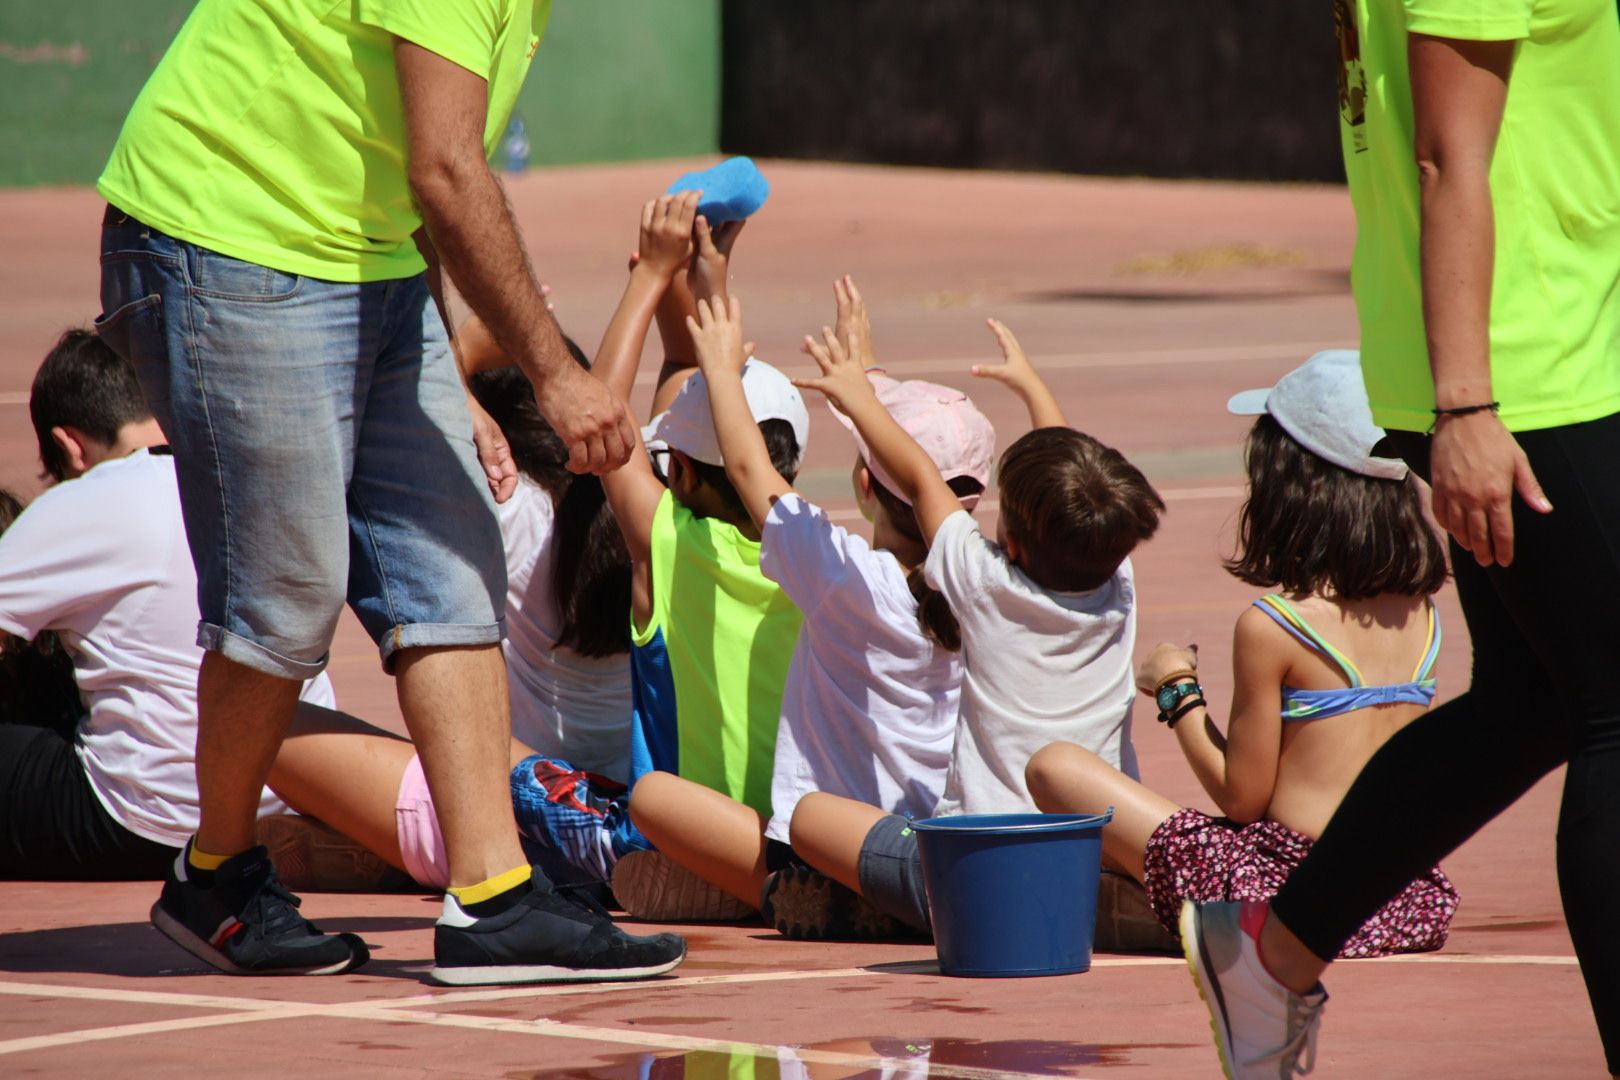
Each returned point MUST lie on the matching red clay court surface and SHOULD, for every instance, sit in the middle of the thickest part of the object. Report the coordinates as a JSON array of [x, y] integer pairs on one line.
[[1146, 304]]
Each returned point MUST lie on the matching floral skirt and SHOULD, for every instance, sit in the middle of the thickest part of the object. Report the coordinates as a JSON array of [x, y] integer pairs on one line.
[[1192, 856]]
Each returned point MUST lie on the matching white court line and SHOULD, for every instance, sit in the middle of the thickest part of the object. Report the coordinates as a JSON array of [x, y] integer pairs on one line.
[[1208, 354], [14, 397], [1168, 494]]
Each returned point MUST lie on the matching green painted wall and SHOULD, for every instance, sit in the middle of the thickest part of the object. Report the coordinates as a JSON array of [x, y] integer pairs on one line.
[[614, 80]]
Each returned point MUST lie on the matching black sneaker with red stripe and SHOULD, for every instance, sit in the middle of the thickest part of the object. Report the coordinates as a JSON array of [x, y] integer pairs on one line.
[[247, 923]]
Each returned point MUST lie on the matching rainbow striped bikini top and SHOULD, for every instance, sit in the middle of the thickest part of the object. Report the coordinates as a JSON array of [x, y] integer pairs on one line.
[[1315, 704]]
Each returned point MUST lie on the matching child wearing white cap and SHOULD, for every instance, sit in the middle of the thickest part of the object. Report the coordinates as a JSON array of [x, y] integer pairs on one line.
[[1324, 671], [872, 693], [710, 634]]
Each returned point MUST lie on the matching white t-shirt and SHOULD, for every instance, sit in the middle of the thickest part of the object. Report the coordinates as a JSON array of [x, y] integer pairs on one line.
[[102, 560], [563, 704], [869, 709], [1041, 666]]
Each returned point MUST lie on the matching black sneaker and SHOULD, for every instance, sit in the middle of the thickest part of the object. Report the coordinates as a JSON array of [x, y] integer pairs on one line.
[[248, 923], [548, 936], [806, 905]]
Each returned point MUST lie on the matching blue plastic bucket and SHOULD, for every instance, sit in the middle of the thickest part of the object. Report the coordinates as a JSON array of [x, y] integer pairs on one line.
[[1012, 894]]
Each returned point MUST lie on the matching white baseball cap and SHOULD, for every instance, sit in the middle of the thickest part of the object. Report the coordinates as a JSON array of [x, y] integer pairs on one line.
[[688, 424], [1322, 404]]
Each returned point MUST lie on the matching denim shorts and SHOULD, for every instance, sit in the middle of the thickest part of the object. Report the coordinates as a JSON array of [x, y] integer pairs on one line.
[[324, 450], [890, 872]]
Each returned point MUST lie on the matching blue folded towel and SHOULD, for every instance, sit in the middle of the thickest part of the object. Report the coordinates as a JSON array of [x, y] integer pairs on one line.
[[732, 190]]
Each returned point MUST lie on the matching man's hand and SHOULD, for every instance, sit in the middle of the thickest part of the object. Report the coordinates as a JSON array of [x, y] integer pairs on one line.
[[1164, 663], [1474, 468], [717, 336], [593, 423], [843, 371], [493, 452], [666, 234], [852, 318], [711, 259]]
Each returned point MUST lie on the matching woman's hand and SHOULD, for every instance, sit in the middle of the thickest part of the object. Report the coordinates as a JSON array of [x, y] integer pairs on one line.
[[1475, 466]]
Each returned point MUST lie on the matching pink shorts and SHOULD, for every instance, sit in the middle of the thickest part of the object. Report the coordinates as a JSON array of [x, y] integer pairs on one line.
[[421, 844]]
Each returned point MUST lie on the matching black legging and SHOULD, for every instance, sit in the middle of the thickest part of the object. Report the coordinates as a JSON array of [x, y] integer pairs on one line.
[[1546, 690]]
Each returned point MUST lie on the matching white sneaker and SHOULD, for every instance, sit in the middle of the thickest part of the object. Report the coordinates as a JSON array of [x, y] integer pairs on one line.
[[651, 885], [1262, 1029]]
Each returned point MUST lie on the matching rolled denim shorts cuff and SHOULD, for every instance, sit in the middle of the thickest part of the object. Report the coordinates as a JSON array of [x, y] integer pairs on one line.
[[251, 654], [438, 635]]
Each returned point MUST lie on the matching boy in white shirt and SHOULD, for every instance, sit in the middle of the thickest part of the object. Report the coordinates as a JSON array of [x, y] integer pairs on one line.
[[1048, 618], [101, 559]]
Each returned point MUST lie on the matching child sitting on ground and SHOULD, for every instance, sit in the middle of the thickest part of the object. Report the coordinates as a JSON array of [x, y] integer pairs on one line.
[[872, 692], [711, 635], [1343, 535], [1048, 620]]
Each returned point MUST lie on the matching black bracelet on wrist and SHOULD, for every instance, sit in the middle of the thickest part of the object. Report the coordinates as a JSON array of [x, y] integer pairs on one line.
[[1195, 702], [1468, 410]]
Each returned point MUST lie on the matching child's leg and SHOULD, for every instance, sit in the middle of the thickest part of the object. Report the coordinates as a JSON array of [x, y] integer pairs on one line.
[[1065, 778], [827, 832], [715, 837], [345, 772]]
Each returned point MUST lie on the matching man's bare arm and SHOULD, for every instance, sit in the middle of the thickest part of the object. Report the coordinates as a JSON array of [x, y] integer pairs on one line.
[[472, 229]]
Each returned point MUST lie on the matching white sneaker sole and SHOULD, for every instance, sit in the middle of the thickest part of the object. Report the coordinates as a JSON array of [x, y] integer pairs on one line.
[[1192, 949], [178, 933], [544, 973]]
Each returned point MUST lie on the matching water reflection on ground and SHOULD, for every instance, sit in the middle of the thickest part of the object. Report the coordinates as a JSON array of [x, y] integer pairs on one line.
[[881, 1058]]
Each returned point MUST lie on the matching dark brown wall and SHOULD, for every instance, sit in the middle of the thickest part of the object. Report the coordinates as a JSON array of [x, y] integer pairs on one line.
[[1217, 88]]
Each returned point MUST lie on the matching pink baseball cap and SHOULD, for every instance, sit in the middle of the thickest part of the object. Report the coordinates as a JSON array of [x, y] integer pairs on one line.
[[958, 437]]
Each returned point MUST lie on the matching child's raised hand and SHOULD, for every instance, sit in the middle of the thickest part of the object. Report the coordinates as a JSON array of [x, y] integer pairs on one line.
[[1015, 369], [852, 317], [1164, 663], [843, 369], [717, 336], [666, 232], [711, 257]]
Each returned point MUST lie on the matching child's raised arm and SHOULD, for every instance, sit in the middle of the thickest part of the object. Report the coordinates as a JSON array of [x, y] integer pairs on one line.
[[717, 335], [843, 380], [1016, 373], [633, 490]]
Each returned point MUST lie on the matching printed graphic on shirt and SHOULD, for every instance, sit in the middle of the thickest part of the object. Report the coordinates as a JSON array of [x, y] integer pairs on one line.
[[1352, 76]]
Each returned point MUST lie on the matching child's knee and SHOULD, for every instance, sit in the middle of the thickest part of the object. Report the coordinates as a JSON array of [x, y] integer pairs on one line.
[[1050, 770], [652, 792]]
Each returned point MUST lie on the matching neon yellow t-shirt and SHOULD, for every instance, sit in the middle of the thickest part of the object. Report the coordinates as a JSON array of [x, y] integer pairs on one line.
[[711, 663], [1555, 186], [272, 130]]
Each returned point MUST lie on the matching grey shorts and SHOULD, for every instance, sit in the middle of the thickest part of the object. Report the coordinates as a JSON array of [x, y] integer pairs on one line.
[[891, 874]]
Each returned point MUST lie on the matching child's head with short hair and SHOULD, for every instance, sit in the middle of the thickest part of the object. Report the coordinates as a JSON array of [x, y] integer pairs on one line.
[[1325, 515], [1072, 509], [83, 385], [697, 472]]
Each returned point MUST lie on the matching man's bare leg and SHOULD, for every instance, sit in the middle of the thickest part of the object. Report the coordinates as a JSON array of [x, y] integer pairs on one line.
[[456, 709], [242, 716]]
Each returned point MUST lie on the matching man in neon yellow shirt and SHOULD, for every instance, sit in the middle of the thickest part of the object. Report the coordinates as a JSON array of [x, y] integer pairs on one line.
[[287, 194], [1482, 144]]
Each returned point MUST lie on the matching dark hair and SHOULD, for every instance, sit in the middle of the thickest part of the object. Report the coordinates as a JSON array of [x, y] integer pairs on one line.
[[1075, 507], [780, 443], [591, 578], [1309, 526], [82, 384], [37, 687], [934, 612]]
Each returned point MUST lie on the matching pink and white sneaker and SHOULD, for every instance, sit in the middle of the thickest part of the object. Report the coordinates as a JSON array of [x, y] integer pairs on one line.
[[1262, 1029]]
